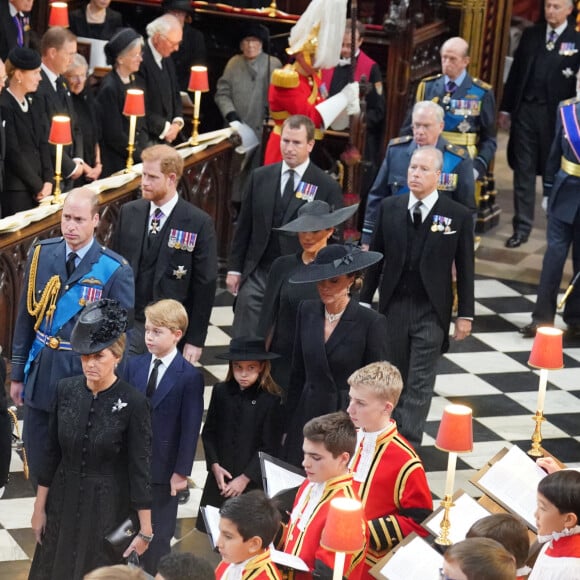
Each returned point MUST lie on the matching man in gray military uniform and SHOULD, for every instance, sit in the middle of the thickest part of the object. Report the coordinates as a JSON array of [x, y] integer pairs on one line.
[[456, 180]]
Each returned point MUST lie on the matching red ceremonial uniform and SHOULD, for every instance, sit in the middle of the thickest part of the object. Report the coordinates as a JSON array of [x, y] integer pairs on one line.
[[303, 538], [394, 492], [296, 94], [259, 568]]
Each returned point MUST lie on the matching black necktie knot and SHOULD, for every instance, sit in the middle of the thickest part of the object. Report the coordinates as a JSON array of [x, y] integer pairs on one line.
[[417, 215]]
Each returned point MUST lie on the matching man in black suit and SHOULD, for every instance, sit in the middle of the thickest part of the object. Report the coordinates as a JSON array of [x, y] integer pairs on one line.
[[542, 74], [158, 78], [272, 198], [15, 26], [171, 246], [420, 235], [57, 48]]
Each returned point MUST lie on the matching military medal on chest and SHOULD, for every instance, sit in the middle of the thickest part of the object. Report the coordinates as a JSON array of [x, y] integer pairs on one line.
[[464, 126]]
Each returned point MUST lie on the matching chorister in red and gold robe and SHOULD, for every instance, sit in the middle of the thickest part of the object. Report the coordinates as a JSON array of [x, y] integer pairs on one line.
[[303, 532], [260, 567], [391, 482], [292, 93]]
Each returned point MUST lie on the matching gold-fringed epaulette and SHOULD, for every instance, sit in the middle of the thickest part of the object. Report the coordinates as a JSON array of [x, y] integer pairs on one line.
[[482, 84], [285, 78]]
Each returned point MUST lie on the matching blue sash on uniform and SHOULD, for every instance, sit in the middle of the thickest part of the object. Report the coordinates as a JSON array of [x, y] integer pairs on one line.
[[70, 304], [570, 123]]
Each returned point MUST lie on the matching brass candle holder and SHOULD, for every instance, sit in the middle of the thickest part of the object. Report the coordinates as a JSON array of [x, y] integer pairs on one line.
[[134, 107], [198, 83], [60, 135]]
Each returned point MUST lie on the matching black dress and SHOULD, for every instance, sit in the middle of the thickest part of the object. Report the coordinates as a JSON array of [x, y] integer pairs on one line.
[[103, 31], [279, 309], [27, 163], [87, 119], [97, 469], [239, 424], [115, 126]]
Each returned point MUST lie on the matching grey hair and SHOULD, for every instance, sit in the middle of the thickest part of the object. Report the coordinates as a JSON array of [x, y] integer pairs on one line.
[[162, 25], [77, 61], [436, 154], [436, 109]]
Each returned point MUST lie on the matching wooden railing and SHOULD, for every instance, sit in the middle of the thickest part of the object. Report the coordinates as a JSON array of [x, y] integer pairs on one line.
[[206, 183]]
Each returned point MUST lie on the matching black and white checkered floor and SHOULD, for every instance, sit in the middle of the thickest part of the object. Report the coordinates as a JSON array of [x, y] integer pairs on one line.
[[488, 372]]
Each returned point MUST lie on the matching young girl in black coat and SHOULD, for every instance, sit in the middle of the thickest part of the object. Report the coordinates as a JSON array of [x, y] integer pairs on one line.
[[244, 417]]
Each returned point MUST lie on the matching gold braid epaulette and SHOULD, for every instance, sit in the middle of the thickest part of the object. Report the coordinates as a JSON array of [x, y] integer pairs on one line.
[[47, 303]]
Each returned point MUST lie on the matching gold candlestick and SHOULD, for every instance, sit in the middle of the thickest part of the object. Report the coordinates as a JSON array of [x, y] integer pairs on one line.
[[536, 449], [272, 9], [196, 105], [131, 144], [445, 525]]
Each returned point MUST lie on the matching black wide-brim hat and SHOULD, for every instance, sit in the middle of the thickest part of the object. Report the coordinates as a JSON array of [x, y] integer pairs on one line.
[[317, 215], [336, 260], [257, 30], [184, 5], [99, 326], [247, 348]]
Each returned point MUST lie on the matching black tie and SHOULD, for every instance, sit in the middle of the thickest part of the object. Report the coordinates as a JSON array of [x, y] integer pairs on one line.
[[152, 382], [289, 187], [450, 87], [417, 215], [70, 264]]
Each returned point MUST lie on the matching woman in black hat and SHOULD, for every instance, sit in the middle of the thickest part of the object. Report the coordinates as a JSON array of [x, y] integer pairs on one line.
[[334, 337], [123, 53], [96, 468], [243, 419], [314, 226], [95, 20], [27, 164]]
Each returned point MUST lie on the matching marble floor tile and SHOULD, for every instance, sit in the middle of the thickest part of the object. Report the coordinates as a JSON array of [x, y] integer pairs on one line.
[[461, 383], [516, 427], [16, 513], [486, 362], [556, 401], [9, 549]]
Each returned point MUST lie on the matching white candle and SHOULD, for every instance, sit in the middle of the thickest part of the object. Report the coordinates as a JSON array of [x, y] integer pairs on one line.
[[132, 128], [339, 559], [450, 479], [542, 390], [196, 103], [58, 160]]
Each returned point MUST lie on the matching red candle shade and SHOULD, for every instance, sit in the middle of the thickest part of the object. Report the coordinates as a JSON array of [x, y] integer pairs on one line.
[[60, 131], [344, 530], [134, 103], [547, 349], [198, 79], [58, 14], [455, 430]]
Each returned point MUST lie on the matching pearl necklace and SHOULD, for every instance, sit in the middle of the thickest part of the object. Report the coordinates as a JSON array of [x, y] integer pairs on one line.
[[332, 318]]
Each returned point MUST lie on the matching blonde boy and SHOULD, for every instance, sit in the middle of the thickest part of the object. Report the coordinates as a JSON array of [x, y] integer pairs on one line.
[[388, 475]]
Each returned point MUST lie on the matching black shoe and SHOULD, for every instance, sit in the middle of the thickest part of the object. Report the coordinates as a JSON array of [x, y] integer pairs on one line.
[[516, 240], [572, 332], [183, 496], [529, 331]]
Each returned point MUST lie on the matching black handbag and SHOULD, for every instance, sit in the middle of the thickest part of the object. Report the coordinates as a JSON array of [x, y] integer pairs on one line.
[[118, 539]]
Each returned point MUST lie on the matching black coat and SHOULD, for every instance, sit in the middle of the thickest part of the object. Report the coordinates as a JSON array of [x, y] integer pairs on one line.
[[115, 125], [239, 424], [9, 32], [318, 383], [51, 104], [162, 98], [78, 24], [27, 159], [195, 289], [97, 466], [257, 214], [560, 82], [439, 253], [279, 311]]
